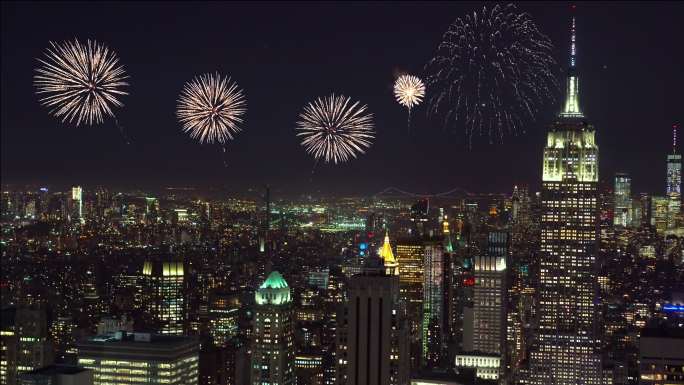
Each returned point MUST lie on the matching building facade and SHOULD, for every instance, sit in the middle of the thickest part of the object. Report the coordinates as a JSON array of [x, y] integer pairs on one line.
[[163, 296], [24, 342], [623, 200], [432, 330], [140, 358], [489, 296], [567, 339], [273, 350], [372, 340], [411, 271]]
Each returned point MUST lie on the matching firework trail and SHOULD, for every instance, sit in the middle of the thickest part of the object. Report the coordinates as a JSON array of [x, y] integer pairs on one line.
[[210, 108], [80, 83], [335, 129], [491, 73]]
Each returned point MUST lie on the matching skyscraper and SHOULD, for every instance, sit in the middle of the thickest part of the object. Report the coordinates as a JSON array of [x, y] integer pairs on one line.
[[660, 209], [372, 346], [273, 351], [433, 300], [567, 340], [623, 200], [484, 328], [163, 297], [674, 181], [489, 295], [76, 211], [411, 270]]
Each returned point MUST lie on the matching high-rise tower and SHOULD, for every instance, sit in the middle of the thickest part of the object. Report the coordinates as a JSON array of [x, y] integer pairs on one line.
[[622, 213], [76, 211], [163, 297], [567, 339], [372, 338], [273, 353], [411, 272], [433, 301], [674, 180]]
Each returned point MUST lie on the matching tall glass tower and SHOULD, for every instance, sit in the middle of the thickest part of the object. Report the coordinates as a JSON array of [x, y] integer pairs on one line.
[[674, 181], [566, 350], [623, 200]]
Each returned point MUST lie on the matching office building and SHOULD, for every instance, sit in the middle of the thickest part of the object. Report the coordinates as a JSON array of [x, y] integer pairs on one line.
[[489, 295], [433, 333], [674, 182], [76, 209], [622, 214], [24, 342], [567, 339], [411, 270], [660, 208], [224, 312], [372, 340], [484, 328], [140, 358], [8, 341], [273, 350], [319, 278], [163, 296]]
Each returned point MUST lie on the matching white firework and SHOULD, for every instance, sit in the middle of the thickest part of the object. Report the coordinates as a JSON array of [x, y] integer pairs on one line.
[[80, 83], [335, 129], [409, 91], [211, 107]]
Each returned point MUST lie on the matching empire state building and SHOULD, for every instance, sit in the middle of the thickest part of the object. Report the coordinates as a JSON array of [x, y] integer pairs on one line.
[[566, 349]]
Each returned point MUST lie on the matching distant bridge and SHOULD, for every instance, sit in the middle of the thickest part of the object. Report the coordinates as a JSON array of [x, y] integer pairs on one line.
[[394, 192]]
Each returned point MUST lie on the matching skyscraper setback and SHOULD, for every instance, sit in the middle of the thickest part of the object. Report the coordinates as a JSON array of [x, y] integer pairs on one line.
[[567, 340]]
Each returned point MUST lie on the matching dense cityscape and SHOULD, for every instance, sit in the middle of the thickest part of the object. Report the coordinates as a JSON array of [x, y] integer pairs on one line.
[[580, 282], [238, 287]]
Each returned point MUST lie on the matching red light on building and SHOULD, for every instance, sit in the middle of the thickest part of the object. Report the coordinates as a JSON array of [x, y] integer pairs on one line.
[[470, 281]]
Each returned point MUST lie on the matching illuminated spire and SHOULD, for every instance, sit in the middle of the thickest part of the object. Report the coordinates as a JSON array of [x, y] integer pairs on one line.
[[386, 252], [572, 108], [674, 137]]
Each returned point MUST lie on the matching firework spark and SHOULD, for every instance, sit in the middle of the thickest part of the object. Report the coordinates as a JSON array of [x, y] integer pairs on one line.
[[335, 129], [491, 72], [80, 83], [211, 107], [409, 91]]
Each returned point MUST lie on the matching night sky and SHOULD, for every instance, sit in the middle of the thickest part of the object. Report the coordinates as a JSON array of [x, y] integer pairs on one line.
[[630, 60]]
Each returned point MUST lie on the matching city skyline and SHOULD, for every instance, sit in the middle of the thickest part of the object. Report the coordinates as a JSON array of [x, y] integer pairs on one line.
[[287, 260], [436, 159]]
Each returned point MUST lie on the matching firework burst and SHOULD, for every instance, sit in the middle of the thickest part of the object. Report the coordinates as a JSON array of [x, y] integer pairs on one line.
[[211, 107], [335, 129], [409, 91], [80, 83], [491, 72]]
